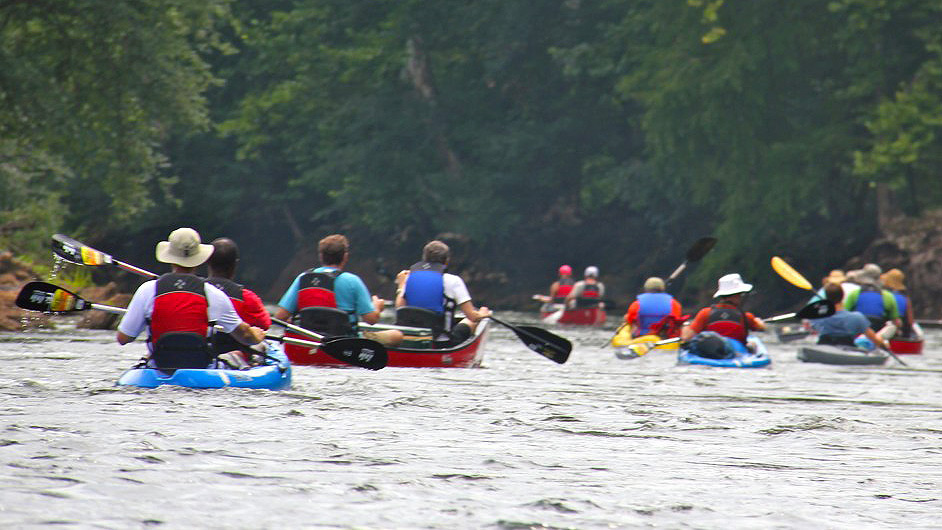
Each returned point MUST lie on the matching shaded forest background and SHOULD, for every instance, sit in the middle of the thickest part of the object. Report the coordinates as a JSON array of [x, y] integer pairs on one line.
[[527, 134]]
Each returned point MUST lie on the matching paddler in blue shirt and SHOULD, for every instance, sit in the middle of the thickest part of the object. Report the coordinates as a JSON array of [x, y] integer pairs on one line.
[[329, 286], [841, 328]]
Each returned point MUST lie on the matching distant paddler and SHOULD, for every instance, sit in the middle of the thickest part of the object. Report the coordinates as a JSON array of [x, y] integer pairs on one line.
[[893, 281], [588, 291], [178, 308], [726, 316], [560, 288], [875, 302], [841, 328], [654, 312]]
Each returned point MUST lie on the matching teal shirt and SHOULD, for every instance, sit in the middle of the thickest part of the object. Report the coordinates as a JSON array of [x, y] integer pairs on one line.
[[349, 290]]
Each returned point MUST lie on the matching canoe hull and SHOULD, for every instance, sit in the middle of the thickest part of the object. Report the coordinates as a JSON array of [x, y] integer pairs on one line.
[[586, 316], [274, 376], [466, 355], [906, 346]]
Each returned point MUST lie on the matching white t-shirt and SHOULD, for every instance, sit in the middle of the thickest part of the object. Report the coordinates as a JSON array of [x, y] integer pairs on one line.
[[456, 289], [141, 308]]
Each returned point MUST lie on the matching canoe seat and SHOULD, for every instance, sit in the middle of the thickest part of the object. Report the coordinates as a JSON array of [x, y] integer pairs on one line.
[[328, 321], [174, 351], [419, 317]]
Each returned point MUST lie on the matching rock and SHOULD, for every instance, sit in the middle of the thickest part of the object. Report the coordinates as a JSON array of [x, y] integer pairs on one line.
[[13, 274], [913, 245], [105, 295]]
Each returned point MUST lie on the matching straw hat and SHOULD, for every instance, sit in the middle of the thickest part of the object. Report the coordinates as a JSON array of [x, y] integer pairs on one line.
[[835, 276], [732, 284], [654, 284], [183, 248], [893, 279]]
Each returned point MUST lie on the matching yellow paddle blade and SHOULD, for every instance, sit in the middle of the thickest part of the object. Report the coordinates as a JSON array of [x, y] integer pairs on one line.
[[791, 275]]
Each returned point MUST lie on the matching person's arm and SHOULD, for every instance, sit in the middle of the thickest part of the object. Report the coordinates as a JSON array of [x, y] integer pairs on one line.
[[474, 314], [631, 316], [134, 321], [876, 339], [255, 312], [755, 323], [892, 308], [289, 301], [850, 301], [282, 313], [696, 325], [224, 315], [677, 310], [401, 279], [576, 292], [553, 290], [247, 334]]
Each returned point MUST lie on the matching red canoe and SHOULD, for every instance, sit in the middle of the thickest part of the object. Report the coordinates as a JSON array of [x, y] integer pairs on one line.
[[465, 355], [908, 344], [585, 316]]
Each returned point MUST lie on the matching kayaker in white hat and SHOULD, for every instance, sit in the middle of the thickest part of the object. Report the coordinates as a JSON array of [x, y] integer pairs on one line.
[[587, 291], [177, 308], [725, 316]]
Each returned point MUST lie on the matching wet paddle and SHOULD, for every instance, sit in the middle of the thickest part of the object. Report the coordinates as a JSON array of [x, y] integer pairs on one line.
[[81, 254], [49, 298], [547, 344], [694, 254], [364, 353], [795, 278]]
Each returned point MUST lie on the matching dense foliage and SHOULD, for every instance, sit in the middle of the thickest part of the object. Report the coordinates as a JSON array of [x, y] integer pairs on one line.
[[612, 133]]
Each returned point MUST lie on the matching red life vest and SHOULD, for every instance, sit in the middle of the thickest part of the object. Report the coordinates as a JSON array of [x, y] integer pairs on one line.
[[590, 290], [180, 306], [728, 320], [563, 287], [234, 291], [316, 289]]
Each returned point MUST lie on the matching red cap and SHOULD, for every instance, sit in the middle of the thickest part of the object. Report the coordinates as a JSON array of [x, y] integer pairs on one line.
[[565, 269]]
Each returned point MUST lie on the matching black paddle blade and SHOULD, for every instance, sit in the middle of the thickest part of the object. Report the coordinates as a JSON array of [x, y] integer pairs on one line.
[[49, 298], [77, 252], [547, 344], [364, 353], [816, 309], [700, 248]]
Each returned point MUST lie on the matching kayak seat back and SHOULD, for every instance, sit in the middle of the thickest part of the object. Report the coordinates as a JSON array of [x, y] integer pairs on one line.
[[420, 317], [174, 351], [328, 321]]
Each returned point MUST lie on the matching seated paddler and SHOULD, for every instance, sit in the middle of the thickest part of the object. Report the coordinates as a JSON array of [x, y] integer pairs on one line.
[[222, 265], [726, 316], [181, 310], [654, 311], [428, 296], [331, 301], [841, 328]]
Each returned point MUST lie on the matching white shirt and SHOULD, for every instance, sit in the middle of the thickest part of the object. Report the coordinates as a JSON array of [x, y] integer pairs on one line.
[[141, 308], [455, 289]]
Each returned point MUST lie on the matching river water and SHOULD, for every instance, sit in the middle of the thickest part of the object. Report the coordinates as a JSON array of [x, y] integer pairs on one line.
[[521, 443]]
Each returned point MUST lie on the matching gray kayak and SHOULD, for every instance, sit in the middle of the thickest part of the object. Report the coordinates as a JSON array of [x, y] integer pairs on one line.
[[827, 354]]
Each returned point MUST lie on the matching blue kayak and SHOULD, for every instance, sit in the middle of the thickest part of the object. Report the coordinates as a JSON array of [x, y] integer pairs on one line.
[[739, 356], [274, 375]]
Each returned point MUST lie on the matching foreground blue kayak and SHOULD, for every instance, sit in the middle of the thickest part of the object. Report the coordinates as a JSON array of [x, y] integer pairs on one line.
[[755, 356], [276, 375]]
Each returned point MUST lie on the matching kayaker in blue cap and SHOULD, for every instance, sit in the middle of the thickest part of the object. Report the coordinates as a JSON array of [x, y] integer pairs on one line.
[[178, 307]]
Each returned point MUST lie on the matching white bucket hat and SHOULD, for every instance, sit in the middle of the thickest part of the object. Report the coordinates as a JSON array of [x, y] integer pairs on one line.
[[732, 284], [592, 271], [183, 248]]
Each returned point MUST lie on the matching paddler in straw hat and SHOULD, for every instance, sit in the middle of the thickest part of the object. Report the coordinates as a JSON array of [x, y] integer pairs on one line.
[[725, 316], [876, 303], [893, 281], [177, 308]]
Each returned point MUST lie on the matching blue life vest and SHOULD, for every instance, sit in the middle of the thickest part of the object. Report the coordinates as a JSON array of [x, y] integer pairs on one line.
[[901, 302], [652, 308], [870, 303], [425, 286]]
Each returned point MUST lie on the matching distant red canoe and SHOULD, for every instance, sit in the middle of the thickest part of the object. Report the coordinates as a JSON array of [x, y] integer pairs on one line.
[[906, 346], [586, 316], [466, 355]]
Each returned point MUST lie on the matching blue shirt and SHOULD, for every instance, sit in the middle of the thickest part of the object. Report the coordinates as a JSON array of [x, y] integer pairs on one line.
[[842, 324], [349, 290]]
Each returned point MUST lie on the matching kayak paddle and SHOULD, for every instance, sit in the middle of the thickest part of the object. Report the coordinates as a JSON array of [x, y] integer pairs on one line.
[[547, 344], [694, 254], [81, 254]]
